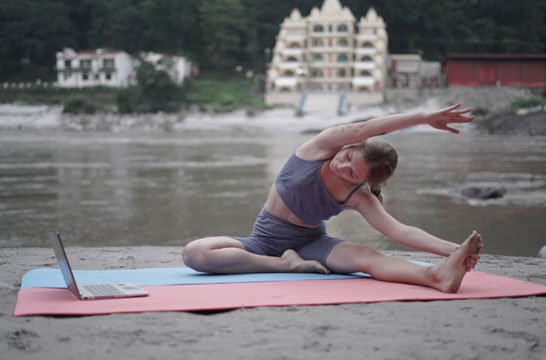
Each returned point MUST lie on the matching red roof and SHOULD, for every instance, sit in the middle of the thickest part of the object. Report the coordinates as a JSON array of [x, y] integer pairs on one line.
[[93, 52]]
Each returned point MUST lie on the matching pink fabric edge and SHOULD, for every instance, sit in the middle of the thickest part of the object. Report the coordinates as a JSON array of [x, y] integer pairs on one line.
[[209, 297]]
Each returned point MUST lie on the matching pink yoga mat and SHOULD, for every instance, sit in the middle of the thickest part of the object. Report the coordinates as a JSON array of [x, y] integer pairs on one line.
[[476, 285]]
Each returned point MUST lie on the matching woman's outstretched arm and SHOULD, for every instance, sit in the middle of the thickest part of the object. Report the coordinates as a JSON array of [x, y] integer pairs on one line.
[[329, 141], [372, 210]]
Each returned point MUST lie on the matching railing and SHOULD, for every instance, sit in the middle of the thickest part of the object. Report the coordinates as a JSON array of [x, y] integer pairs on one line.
[[27, 85]]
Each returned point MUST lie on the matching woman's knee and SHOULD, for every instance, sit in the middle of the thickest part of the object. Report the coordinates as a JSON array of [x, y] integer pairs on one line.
[[353, 257], [194, 254], [199, 256]]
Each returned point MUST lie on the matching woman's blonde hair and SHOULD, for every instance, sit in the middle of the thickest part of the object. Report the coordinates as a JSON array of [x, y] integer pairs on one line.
[[381, 159]]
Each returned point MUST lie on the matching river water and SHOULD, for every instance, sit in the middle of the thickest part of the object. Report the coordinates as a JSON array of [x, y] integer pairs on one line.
[[157, 188]]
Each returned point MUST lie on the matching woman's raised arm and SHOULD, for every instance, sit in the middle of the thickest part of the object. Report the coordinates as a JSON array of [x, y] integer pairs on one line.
[[329, 141]]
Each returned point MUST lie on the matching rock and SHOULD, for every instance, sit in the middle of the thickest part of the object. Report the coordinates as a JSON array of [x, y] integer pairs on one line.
[[530, 123], [542, 252], [483, 192]]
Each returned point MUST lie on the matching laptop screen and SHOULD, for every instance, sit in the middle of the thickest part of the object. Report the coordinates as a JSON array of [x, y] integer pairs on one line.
[[66, 270]]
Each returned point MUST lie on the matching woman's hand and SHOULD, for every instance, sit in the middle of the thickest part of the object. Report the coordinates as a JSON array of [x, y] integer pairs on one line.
[[440, 119]]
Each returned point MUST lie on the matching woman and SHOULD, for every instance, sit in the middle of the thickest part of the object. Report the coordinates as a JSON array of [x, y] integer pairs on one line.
[[340, 168]]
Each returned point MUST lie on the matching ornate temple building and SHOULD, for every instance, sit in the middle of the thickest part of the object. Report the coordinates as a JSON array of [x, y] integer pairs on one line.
[[328, 52]]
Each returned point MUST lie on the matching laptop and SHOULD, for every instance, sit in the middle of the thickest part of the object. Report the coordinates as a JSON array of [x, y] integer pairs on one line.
[[90, 292]]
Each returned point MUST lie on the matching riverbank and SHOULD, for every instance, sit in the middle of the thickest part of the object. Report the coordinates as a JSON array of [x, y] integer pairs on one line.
[[32, 117], [213, 93], [492, 108], [481, 329]]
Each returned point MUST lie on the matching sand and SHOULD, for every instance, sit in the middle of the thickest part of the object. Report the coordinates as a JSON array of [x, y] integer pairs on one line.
[[470, 329]]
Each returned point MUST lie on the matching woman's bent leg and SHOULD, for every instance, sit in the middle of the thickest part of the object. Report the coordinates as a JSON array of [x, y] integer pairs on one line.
[[349, 257], [225, 255]]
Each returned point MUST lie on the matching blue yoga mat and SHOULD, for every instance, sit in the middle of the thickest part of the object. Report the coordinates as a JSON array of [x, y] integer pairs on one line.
[[52, 278]]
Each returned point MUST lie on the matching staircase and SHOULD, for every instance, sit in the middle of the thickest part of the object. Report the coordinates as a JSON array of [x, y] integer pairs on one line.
[[322, 103]]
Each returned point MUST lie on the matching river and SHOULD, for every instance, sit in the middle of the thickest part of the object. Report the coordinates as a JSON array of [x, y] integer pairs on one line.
[[166, 188]]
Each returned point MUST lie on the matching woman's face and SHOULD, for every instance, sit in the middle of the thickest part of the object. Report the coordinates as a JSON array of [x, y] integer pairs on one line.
[[350, 165]]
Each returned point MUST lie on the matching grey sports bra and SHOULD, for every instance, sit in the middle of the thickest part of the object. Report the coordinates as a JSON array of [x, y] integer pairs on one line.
[[301, 189]]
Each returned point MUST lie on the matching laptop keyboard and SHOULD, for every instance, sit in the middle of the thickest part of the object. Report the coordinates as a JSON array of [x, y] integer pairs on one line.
[[103, 290]]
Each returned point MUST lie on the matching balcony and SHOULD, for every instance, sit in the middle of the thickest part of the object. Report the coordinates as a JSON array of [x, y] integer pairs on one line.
[[365, 51], [364, 65], [294, 37], [86, 69], [291, 51], [286, 81], [289, 65], [366, 37], [363, 81]]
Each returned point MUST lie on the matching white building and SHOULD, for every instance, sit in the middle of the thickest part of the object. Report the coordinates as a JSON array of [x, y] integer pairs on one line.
[[329, 52], [94, 68], [410, 71], [113, 68]]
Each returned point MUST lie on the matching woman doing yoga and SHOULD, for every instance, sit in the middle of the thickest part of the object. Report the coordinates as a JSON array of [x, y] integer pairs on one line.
[[342, 167]]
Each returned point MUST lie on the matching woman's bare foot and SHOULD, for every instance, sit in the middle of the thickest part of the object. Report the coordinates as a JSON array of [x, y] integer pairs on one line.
[[297, 264], [448, 276]]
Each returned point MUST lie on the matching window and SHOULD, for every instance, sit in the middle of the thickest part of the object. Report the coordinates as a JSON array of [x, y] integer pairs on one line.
[[292, 59], [85, 76], [365, 73], [97, 77], [342, 42], [367, 44], [342, 58], [318, 57], [288, 73], [318, 28], [366, 58], [108, 76], [317, 73], [318, 42], [67, 64], [85, 64], [341, 73], [330, 28], [294, 46], [108, 63], [342, 28]]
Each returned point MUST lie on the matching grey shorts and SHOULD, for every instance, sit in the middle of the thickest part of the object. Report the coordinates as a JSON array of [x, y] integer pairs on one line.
[[273, 236]]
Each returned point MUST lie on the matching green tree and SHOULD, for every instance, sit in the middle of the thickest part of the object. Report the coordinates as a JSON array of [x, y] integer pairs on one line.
[[154, 92], [117, 24], [31, 31], [223, 22], [219, 34]]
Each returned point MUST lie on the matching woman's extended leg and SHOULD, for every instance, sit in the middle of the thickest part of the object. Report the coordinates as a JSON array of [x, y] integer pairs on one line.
[[225, 255], [349, 257]]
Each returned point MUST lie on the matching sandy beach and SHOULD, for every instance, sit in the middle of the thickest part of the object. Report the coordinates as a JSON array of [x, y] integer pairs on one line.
[[508, 328]]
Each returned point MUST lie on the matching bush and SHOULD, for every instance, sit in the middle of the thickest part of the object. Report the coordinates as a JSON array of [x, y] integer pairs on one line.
[[78, 105], [480, 112], [154, 92], [224, 93], [532, 101]]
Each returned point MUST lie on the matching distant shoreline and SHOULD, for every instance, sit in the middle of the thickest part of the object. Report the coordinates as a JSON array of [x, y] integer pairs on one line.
[[44, 117]]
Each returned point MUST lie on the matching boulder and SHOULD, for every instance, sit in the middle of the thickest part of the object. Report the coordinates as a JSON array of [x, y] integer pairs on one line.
[[483, 192]]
